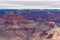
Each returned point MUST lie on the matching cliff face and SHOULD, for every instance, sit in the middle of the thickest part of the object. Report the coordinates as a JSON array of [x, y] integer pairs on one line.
[[18, 27]]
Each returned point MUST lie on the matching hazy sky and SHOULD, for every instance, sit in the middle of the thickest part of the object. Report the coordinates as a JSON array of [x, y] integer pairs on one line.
[[29, 4]]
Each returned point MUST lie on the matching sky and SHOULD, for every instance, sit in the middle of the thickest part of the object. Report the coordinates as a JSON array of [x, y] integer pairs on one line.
[[29, 4]]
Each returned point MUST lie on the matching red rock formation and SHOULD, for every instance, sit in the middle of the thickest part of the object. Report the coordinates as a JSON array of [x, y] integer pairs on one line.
[[15, 19]]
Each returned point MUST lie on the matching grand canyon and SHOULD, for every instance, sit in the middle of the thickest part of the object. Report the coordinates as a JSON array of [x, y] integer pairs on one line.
[[29, 24]]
